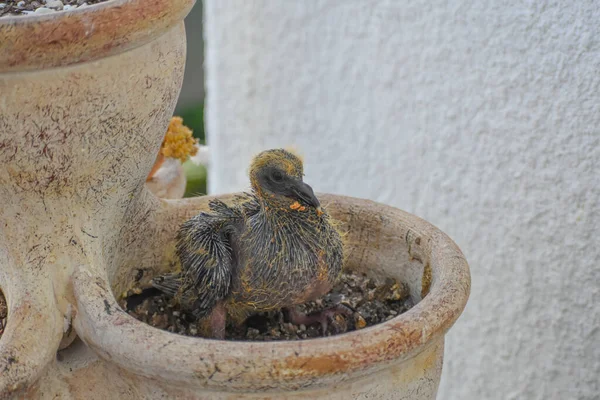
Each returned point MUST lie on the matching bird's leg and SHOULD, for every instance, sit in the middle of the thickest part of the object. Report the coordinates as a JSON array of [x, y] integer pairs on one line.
[[217, 321], [299, 318]]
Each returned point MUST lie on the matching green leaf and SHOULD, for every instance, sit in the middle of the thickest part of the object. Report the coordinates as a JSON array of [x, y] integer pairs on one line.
[[196, 179], [193, 117]]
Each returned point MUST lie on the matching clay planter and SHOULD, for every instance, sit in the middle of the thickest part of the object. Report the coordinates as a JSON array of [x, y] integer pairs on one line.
[[86, 97]]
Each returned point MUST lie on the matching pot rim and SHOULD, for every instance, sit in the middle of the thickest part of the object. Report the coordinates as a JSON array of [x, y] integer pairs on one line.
[[292, 365], [85, 34]]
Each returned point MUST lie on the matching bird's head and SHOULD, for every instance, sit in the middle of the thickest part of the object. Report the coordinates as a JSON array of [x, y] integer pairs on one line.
[[276, 176]]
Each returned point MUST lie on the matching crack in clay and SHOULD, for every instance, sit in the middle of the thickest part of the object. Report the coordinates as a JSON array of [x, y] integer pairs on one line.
[[107, 307], [90, 235]]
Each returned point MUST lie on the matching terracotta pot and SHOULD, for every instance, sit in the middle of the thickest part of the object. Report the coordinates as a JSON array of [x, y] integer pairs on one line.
[[401, 358], [85, 103]]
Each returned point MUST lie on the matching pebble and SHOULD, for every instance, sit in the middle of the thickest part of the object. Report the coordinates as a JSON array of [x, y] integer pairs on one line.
[[68, 7], [43, 10], [56, 4], [2, 5], [21, 4], [360, 322]]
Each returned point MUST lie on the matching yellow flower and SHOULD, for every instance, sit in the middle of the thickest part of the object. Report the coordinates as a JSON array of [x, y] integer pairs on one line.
[[179, 142]]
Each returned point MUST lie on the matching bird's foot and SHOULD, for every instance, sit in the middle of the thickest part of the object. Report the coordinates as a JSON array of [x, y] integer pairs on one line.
[[322, 317], [213, 326]]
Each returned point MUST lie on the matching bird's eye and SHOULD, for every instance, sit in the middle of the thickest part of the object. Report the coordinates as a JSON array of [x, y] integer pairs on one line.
[[277, 176]]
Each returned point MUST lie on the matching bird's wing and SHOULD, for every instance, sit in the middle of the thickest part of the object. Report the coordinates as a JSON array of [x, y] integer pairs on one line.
[[204, 247], [169, 283]]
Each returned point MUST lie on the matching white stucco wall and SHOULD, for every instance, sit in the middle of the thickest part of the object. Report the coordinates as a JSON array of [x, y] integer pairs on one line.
[[479, 116]]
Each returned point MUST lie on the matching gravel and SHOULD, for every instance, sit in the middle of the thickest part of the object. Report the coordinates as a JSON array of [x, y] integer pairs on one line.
[[28, 7], [371, 304]]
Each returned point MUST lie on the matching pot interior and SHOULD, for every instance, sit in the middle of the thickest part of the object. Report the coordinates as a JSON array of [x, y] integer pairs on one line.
[[375, 244]]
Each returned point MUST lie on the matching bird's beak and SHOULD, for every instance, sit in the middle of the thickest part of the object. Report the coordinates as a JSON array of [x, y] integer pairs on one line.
[[305, 193]]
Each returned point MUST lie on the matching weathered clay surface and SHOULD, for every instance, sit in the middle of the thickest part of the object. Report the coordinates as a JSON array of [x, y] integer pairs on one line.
[[75, 144], [78, 227]]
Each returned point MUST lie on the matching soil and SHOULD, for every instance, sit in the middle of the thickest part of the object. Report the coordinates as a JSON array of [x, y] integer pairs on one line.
[[370, 303], [3, 313], [27, 7]]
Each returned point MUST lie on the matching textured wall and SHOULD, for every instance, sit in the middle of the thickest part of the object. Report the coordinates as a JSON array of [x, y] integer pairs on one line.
[[481, 117]]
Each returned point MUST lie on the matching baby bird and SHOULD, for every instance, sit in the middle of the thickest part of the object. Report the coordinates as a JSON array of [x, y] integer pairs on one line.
[[275, 248]]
